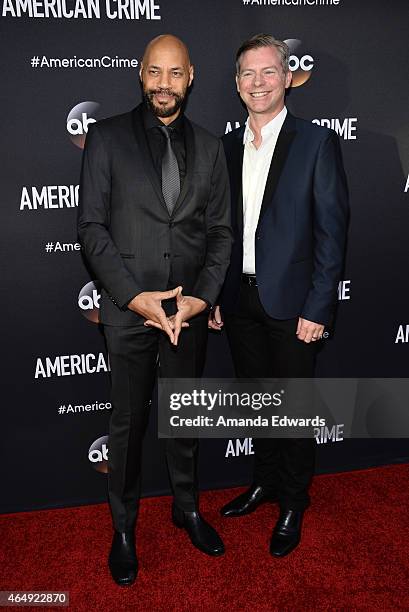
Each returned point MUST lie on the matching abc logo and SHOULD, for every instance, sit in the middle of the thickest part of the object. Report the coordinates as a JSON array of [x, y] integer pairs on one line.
[[78, 121], [88, 301], [300, 63], [98, 454]]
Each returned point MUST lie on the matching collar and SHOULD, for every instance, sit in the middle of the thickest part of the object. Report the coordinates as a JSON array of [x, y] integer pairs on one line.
[[272, 127], [151, 121]]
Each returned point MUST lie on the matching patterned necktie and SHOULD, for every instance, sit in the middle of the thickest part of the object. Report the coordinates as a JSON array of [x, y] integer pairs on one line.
[[170, 173]]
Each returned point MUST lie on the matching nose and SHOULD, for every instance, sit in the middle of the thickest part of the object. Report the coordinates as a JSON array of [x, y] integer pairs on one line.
[[258, 79], [164, 80]]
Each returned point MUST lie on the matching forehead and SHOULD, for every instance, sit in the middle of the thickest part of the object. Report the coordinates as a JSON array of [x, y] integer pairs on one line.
[[167, 55], [262, 56]]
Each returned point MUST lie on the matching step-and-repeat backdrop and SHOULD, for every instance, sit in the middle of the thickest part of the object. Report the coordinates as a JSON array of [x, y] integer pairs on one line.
[[68, 63]]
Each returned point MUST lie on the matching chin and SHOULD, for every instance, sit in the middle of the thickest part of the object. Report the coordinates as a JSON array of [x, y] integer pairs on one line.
[[164, 111], [260, 108]]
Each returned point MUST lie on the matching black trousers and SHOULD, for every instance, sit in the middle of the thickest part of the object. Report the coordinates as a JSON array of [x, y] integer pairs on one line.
[[133, 354], [263, 347]]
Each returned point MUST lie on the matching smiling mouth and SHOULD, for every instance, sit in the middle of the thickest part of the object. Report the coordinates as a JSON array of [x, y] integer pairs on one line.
[[259, 94]]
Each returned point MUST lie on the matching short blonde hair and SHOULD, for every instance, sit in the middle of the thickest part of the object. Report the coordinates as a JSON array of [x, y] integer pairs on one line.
[[264, 40]]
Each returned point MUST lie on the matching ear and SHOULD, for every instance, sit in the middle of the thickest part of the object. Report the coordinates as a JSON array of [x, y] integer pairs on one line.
[[288, 79], [237, 83], [191, 75], [140, 71]]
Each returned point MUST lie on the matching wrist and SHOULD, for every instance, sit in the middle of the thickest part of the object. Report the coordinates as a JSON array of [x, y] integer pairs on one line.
[[134, 302], [203, 304]]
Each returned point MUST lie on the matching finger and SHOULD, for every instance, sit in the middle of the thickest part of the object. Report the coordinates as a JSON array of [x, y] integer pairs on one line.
[[150, 323], [299, 326], [167, 295], [302, 332], [213, 325], [218, 316], [178, 327], [310, 335], [180, 298], [165, 325], [316, 335], [212, 322], [171, 320]]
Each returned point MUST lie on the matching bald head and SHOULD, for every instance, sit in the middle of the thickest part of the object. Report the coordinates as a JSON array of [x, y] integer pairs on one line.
[[166, 43], [166, 73]]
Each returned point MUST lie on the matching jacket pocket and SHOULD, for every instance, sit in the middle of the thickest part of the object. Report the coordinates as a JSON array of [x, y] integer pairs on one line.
[[127, 255]]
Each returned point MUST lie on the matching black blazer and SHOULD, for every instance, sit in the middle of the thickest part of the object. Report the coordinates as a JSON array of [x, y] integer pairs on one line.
[[301, 233], [129, 239]]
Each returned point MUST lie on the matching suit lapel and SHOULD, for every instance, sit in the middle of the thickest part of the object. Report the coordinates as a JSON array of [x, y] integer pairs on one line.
[[146, 154], [282, 148], [237, 171]]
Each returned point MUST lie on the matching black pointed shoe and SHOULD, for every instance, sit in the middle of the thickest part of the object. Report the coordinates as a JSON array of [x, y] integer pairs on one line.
[[122, 560], [247, 502], [287, 532], [201, 534]]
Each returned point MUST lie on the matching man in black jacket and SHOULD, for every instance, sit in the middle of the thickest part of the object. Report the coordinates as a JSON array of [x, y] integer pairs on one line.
[[154, 218], [289, 215]]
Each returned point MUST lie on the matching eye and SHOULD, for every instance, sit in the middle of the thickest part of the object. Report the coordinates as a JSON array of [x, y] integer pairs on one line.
[[177, 73], [245, 74], [270, 72], [153, 71]]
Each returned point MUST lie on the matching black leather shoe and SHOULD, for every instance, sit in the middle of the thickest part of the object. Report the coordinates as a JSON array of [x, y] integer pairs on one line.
[[202, 535], [287, 532], [122, 559], [247, 502]]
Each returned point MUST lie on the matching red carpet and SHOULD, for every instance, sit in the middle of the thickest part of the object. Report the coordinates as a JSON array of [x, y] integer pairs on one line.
[[353, 556]]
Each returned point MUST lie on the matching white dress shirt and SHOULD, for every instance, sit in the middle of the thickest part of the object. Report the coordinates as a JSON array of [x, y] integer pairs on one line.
[[256, 164]]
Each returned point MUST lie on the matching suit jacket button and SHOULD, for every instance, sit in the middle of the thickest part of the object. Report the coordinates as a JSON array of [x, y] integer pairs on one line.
[[171, 224], [166, 255]]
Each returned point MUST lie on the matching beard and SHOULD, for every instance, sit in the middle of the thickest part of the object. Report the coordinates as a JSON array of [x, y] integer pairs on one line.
[[160, 110]]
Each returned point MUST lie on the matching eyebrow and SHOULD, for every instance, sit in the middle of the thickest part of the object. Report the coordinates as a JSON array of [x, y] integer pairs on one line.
[[253, 70], [160, 68]]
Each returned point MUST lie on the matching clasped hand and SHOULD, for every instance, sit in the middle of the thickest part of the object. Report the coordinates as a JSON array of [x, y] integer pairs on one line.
[[148, 304]]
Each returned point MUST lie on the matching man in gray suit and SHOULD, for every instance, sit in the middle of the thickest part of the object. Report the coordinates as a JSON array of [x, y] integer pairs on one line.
[[153, 219]]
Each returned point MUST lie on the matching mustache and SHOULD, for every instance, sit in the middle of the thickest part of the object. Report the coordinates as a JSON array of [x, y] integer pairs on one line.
[[162, 90]]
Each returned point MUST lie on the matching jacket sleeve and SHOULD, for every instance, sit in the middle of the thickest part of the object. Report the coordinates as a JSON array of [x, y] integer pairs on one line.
[[219, 233], [330, 220], [94, 220]]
